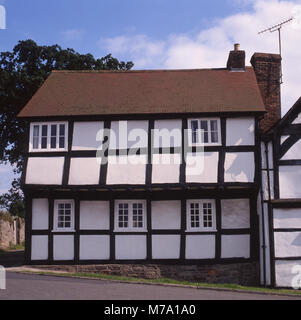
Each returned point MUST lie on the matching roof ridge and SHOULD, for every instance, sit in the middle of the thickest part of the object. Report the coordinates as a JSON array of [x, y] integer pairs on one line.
[[142, 71]]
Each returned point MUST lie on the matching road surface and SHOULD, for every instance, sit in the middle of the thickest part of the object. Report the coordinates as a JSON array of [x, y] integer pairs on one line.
[[39, 287]]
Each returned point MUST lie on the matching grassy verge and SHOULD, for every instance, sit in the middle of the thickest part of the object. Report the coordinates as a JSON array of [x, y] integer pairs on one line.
[[233, 287], [13, 248]]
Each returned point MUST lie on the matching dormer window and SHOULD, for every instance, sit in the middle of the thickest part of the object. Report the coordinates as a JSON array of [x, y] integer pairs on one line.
[[204, 131], [48, 136]]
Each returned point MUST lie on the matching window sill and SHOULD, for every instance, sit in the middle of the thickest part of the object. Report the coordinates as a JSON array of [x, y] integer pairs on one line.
[[200, 230], [130, 230], [63, 231]]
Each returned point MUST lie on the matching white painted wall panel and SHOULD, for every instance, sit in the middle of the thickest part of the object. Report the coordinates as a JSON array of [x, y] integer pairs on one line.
[[200, 247], [128, 134], [287, 218], [166, 215], [287, 272], [270, 156], [235, 213], [202, 169], [167, 133], [294, 153], [166, 246], [95, 247], [126, 169], [240, 131], [166, 168], [39, 247], [298, 119], [45, 170], [265, 185], [239, 167], [236, 246], [84, 135], [287, 244], [63, 247], [94, 215], [40, 214], [84, 171], [289, 182], [130, 247]]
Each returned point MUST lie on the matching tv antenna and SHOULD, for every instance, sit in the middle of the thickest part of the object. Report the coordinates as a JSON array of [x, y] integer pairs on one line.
[[278, 28]]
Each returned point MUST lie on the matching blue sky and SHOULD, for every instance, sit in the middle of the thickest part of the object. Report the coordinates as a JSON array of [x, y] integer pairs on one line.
[[158, 34]]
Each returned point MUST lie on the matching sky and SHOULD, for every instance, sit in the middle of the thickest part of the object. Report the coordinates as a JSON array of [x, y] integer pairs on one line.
[[159, 34]]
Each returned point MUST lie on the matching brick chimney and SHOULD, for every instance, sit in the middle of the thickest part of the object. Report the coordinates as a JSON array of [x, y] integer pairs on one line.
[[267, 68], [237, 59]]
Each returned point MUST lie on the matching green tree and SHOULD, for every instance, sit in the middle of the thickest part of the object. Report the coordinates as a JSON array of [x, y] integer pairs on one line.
[[22, 72]]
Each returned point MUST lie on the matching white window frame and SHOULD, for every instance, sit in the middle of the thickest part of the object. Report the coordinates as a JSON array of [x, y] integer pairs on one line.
[[201, 228], [48, 124], [55, 220], [130, 227], [200, 143]]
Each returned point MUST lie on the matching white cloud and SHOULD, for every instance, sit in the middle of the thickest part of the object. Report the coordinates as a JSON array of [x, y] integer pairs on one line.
[[73, 34], [210, 47]]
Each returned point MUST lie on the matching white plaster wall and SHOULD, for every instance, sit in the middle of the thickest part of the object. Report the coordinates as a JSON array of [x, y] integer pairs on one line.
[[294, 153], [84, 171], [45, 170], [287, 272], [200, 247], [94, 215], [166, 246], [239, 167], [290, 182], [130, 247], [270, 156], [240, 131], [126, 169], [166, 168], [287, 244], [95, 247], [39, 247], [63, 247], [287, 218], [236, 246], [166, 215], [235, 213], [84, 135], [202, 169], [298, 119], [265, 186], [128, 138], [40, 214], [167, 133]]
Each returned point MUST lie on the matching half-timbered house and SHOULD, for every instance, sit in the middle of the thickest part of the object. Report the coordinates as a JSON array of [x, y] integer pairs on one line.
[[91, 199]]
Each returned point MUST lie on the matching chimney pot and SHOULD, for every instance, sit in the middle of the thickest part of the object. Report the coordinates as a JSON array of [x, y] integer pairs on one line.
[[236, 47]]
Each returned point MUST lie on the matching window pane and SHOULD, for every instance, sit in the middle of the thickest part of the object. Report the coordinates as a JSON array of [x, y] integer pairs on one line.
[[204, 128], [207, 215], [35, 143], [137, 215], [53, 136], [53, 142], [62, 136], [194, 215], [214, 131], [44, 137], [123, 215], [194, 131], [53, 130], [64, 216], [44, 130]]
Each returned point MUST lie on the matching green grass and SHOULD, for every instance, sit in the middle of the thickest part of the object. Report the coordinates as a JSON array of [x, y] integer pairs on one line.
[[13, 248], [232, 287]]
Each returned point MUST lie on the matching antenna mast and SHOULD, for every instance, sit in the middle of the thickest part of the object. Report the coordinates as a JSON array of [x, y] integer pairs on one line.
[[274, 28]]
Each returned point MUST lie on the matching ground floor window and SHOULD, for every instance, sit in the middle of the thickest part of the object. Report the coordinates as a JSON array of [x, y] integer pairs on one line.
[[130, 215], [201, 215], [64, 215]]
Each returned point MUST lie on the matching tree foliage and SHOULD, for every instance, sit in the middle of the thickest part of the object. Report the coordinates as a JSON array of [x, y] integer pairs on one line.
[[22, 72]]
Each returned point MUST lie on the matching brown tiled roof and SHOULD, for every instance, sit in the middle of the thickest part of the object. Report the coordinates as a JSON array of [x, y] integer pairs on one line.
[[67, 93]]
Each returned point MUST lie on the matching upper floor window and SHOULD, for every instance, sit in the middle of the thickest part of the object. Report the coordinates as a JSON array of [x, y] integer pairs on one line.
[[48, 136], [204, 131], [130, 215], [64, 215], [201, 215]]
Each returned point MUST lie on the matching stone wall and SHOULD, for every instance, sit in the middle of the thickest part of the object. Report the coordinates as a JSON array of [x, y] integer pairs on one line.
[[12, 232], [238, 273]]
